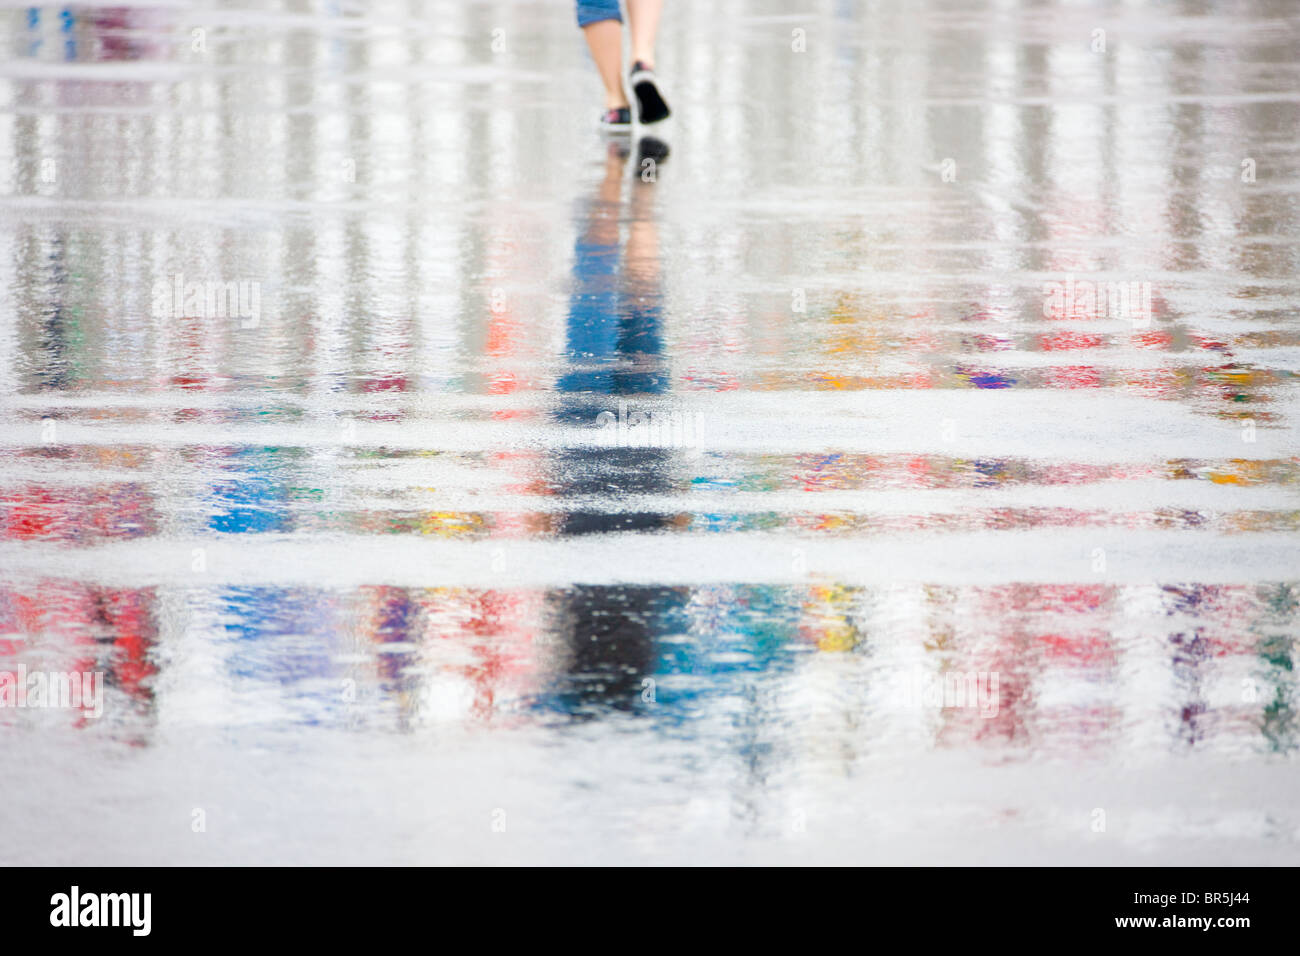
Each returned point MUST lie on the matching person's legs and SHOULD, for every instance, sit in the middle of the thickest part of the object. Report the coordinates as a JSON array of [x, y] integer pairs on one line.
[[644, 21], [603, 27], [643, 17]]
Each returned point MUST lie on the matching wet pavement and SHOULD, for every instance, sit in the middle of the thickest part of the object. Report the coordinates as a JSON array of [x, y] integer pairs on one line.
[[893, 458]]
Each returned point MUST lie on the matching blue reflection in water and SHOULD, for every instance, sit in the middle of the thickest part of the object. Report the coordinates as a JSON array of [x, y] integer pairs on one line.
[[745, 632], [614, 337], [292, 630], [985, 379], [256, 501]]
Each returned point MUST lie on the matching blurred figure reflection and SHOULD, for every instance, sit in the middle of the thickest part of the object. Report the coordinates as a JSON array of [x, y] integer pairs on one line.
[[614, 348]]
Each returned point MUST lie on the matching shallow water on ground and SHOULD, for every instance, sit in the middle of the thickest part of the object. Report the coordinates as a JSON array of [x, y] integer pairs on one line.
[[891, 458]]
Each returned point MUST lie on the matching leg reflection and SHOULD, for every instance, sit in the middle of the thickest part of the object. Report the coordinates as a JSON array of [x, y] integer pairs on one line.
[[614, 348]]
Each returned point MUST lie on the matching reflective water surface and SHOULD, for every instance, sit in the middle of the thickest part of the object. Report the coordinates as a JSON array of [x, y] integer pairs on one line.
[[893, 458]]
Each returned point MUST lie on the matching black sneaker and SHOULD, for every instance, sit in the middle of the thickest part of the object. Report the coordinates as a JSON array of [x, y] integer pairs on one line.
[[617, 120], [650, 102]]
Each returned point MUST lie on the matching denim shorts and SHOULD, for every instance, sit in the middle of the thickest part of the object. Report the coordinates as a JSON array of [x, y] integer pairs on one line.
[[591, 11]]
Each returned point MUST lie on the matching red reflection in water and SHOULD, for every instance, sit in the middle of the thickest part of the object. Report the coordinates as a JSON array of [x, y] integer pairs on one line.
[[61, 626], [77, 514]]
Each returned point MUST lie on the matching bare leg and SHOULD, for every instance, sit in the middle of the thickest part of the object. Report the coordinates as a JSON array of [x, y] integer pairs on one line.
[[641, 259], [605, 40], [643, 17]]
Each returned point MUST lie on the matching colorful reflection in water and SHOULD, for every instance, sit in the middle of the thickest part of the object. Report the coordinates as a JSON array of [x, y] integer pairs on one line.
[[656, 471]]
